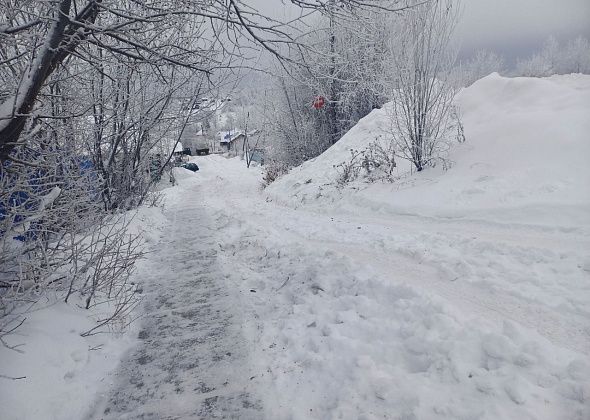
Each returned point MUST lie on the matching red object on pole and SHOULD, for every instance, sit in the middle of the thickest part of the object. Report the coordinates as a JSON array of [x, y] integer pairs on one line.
[[318, 102]]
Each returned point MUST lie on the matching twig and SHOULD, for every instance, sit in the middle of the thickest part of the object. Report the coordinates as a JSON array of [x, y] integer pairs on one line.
[[14, 378], [283, 285]]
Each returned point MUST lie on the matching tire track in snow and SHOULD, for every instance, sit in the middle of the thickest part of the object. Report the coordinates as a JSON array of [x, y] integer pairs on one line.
[[570, 331], [374, 247], [191, 361]]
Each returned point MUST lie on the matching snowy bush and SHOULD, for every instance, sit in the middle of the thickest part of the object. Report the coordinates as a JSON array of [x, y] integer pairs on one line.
[[272, 171], [375, 162], [55, 237], [421, 92]]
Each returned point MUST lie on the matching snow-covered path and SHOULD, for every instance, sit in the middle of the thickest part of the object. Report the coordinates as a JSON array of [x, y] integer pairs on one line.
[[459, 293], [258, 310], [191, 360], [533, 275], [494, 271], [346, 304]]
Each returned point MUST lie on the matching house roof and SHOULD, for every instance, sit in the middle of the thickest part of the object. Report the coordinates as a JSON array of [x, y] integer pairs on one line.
[[229, 136]]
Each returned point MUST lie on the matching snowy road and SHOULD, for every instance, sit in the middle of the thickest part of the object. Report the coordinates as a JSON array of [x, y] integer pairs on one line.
[[532, 275], [506, 303], [256, 310], [191, 360]]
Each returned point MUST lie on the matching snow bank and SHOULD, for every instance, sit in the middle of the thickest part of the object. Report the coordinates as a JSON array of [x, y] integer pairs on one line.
[[364, 316], [525, 159], [58, 371], [336, 339]]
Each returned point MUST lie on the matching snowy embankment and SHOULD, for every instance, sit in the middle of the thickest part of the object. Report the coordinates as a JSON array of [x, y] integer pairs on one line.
[[525, 160], [448, 294], [54, 373], [365, 316]]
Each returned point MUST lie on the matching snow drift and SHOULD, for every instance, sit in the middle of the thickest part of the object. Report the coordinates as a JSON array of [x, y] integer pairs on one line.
[[524, 159], [460, 293]]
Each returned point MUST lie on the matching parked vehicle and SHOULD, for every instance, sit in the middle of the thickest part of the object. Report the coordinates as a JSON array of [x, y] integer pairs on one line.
[[190, 166]]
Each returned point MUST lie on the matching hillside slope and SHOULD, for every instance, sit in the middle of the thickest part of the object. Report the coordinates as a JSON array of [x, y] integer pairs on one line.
[[524, 161]]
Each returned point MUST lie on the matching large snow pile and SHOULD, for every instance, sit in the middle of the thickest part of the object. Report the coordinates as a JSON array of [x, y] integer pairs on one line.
[[525, 159]]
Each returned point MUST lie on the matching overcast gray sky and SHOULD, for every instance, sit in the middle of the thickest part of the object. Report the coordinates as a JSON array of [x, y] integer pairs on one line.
[[516, 27], [511, 27]]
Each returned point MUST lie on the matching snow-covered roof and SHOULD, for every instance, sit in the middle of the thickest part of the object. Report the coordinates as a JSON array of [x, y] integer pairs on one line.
[[229, 136]]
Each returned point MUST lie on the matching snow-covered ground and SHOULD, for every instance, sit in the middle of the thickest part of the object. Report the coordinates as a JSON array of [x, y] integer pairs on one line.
[[525, 160], [450, 294], [54, 372], [366, 316]]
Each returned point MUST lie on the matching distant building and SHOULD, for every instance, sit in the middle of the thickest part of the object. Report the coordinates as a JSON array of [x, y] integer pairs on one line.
[[232, 142], [196, 139]]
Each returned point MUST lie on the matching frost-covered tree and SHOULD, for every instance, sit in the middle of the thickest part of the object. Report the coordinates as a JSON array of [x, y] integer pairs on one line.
[[344, 67], [420, 90], [39, 38], [90, 93], [576, 57], [555, 58], [480, 65]]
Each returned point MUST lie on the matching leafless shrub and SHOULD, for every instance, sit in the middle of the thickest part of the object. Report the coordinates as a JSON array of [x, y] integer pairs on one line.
[[350, 169], [420, 90], [154, 199], [55, 237], [272, 171], [375, 162]]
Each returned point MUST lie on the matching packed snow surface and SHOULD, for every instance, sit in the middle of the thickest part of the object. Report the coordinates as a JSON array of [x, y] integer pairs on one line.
[[457, 294]]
